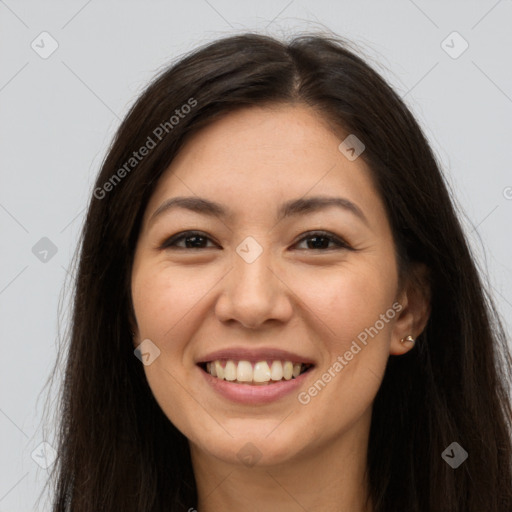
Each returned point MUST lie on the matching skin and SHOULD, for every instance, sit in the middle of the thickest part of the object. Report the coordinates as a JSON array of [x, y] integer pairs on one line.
[[314, 302]]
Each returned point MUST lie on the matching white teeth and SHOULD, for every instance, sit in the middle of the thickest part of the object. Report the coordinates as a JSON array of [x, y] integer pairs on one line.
[[219, 371], [261, 374], [277, 370], [288, 370], [244, 371], [210, 368], [230, 371]]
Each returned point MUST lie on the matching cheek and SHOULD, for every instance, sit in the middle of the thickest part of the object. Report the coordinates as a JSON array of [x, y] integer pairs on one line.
[[164, 302], [348, 300], [355, 341], [161, 299]]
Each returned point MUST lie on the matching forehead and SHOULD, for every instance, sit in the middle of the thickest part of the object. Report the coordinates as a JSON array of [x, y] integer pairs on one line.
[[257, 158]]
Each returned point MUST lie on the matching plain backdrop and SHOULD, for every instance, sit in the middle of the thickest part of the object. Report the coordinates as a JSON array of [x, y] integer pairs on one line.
[[69, 72]]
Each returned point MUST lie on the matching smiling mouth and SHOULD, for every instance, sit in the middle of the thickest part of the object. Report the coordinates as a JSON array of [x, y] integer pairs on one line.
[[261, 373]]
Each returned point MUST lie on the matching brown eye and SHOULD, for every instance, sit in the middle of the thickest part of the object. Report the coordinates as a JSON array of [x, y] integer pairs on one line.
[[192, 239], [322, 239], [197, 240]]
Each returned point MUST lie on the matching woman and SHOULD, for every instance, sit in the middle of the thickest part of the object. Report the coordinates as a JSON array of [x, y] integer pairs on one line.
[[276, 307]]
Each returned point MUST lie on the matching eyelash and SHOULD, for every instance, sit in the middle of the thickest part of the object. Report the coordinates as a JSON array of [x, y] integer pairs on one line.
[[170, 243]]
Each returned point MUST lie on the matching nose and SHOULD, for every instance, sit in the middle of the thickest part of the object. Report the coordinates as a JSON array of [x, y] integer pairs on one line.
[[254, 294]]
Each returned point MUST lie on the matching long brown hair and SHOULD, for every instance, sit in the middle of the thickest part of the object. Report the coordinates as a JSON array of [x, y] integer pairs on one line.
[[117, 451]]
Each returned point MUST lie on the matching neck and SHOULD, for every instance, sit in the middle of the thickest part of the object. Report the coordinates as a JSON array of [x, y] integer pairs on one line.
[[328, 478]]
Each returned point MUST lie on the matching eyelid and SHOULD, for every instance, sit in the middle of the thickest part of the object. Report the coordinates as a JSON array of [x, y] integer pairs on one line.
[[341, 243], [167, 243]]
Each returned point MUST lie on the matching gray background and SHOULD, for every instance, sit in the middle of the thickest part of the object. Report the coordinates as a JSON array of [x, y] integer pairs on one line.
[[59, 113]]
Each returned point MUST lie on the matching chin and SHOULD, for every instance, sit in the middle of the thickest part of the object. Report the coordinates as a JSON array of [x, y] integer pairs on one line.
[[254, 448]]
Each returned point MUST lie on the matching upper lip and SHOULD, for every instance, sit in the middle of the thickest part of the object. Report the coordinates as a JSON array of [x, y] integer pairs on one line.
[[254, 355]]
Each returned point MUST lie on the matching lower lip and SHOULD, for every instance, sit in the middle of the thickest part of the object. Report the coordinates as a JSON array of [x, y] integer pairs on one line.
[[254, 394]]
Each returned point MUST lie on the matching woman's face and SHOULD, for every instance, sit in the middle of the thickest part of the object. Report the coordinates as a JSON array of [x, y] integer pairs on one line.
[[258, 279]]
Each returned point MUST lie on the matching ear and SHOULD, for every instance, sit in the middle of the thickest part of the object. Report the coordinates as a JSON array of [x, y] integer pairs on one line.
[[415, 301]]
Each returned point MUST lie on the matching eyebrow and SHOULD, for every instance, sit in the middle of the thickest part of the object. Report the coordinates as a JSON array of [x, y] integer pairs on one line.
[[290, 208]]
